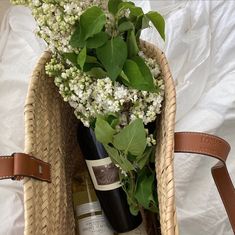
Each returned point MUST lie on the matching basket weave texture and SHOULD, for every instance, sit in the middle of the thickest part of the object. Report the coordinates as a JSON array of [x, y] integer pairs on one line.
[[50, 135]]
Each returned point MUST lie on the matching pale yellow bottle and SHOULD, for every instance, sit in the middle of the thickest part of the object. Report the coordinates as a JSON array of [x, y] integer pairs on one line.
[[90, 219], [138, 231]]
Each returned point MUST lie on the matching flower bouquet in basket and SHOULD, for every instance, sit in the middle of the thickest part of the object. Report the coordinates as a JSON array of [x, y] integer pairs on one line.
[[116, 90]]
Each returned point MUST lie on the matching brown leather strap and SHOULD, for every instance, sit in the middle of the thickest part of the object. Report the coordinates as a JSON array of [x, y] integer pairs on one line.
[[20, 165], [213, 146]]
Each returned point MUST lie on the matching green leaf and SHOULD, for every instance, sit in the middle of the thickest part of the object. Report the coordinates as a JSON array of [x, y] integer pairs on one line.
[[144, 188], [113, 120], [154, 207], [131, 157], [92, 22], [113, 6], [89, 66], [132, 138], [76, 39], [145, 71], [72, 57], [132, 46], [113, 154], [143, 160], [125, 26], [125, 5], [122, 20], [138, 23], [91, 60], [127, 165], [139, 74], [138, 34], [152, 158], [134, 210], [97, 73], [145, 22], [119, 159], [97, 40], [124, 79], [82, 58], [134, 11], [158, 21], [103, 131], [113, 56], [141, 23]]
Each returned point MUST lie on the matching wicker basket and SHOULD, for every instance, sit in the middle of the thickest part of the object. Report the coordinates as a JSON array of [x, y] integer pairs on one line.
[[51, 136]]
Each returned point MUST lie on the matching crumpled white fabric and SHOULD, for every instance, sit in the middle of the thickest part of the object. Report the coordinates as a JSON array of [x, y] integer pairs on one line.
[[200, 49], [19, 50]]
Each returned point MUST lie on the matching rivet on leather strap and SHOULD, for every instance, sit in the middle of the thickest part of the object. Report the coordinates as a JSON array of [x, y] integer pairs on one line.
[[20, 165]]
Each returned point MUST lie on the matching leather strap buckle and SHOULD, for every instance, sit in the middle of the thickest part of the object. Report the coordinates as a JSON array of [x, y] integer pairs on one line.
[[20, 165]]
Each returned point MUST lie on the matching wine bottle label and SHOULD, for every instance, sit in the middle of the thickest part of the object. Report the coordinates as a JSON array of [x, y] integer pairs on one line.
[[88, 208], [104, 174], [94, 225]]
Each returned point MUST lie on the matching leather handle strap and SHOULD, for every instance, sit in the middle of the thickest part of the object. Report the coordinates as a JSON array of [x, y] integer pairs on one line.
[[213, 146], [20, 165]]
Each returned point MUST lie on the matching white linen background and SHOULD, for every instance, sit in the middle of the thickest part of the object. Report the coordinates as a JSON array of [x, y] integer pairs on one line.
[[19, 51], [200, 48]]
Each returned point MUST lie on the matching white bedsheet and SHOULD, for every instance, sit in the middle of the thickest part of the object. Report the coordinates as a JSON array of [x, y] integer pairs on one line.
[[200, 48], [19, 50]]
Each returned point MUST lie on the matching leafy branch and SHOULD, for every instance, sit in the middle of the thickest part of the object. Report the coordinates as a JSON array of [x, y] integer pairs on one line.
[[128, 149], [114, 55]]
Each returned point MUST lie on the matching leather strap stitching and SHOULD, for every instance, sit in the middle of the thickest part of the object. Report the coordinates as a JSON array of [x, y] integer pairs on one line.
[[204, 134]]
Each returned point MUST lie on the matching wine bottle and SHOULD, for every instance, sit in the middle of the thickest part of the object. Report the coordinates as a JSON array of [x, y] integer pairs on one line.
[[105, 177], [90, 219]]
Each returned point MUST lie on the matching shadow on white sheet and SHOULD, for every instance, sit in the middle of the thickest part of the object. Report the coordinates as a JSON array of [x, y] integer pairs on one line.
[[19, 51]]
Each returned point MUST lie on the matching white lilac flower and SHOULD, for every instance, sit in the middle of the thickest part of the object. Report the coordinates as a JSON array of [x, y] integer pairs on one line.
[[87, 95], [150, 140], [90, 97], [56, 19]]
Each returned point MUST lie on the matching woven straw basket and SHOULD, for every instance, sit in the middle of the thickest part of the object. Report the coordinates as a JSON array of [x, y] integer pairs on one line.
[[51, 136]]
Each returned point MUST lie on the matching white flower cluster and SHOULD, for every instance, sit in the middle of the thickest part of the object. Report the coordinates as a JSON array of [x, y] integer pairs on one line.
[[56, 19], [91, 97], [150, 140]]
